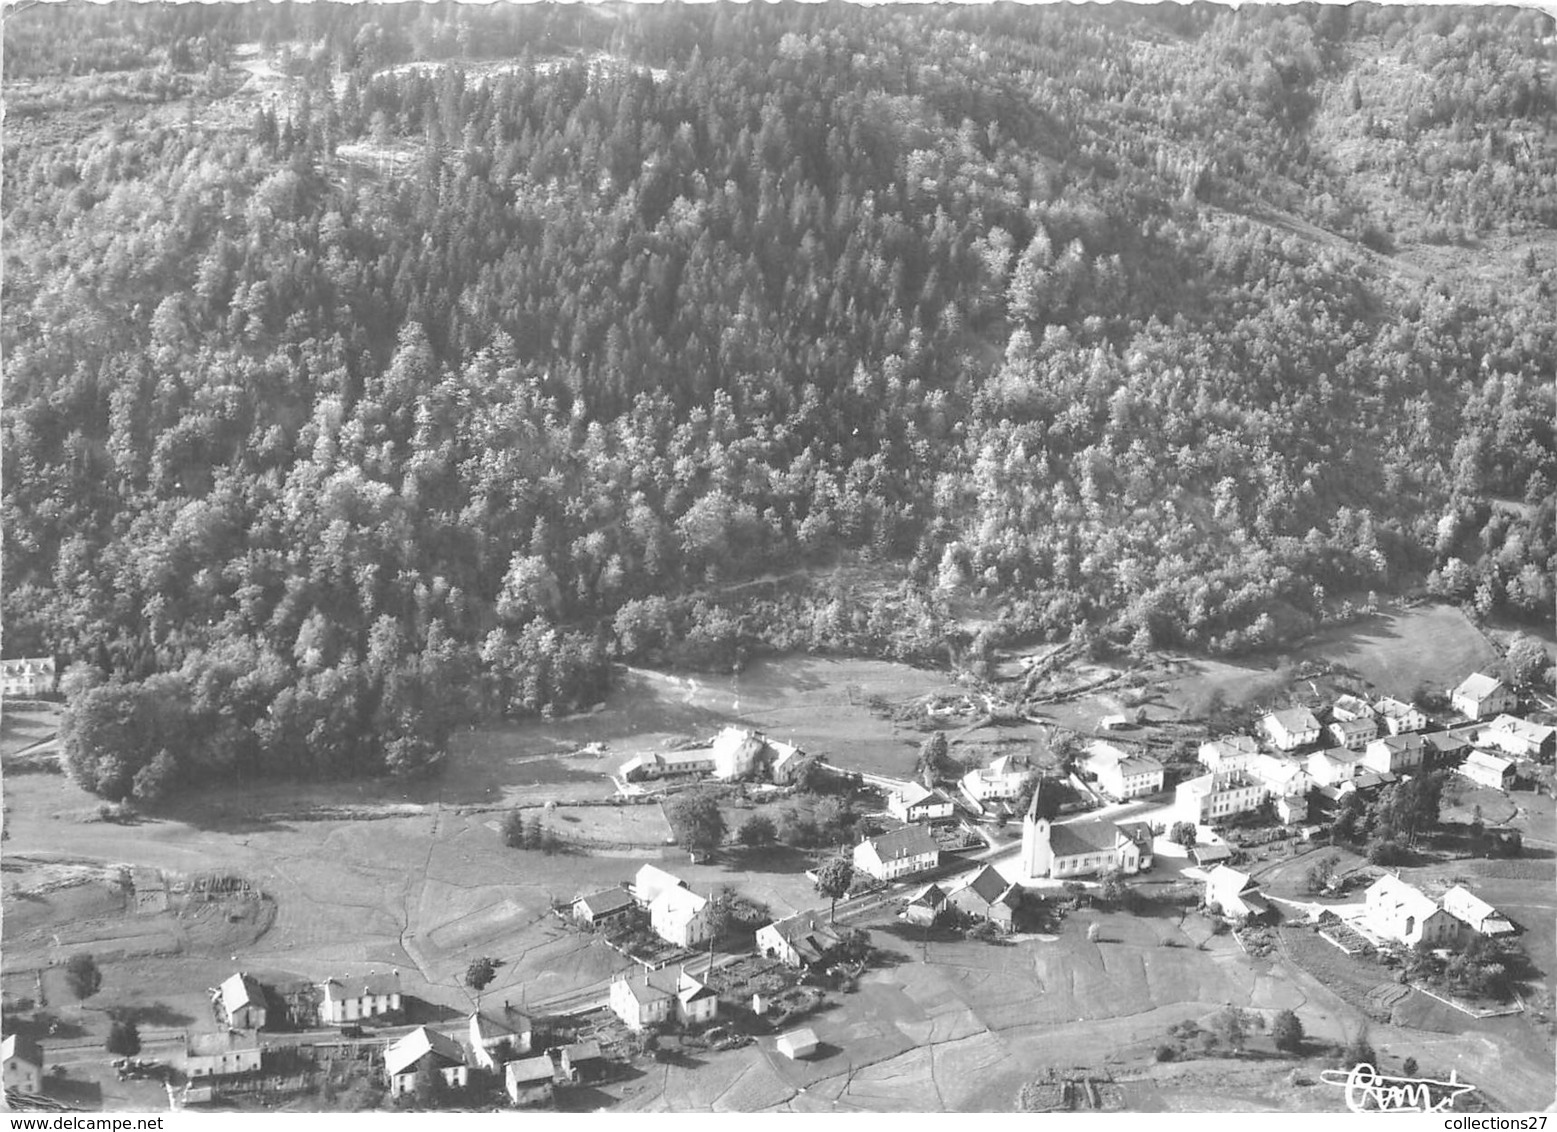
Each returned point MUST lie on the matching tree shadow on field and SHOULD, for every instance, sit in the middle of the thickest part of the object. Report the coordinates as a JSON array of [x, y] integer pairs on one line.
[[768, 859], [158, 1014], [80, 1094], [583, 1098]]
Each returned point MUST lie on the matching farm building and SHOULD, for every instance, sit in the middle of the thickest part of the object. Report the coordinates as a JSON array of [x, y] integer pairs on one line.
[[1291, 728], [1121, 774], [1398, 717], [1480, 697], [242, 1003], [1230, 752], [989, 896], [1237, 893], [650, 997], [797, 1043], [225, 1053], [603, 908], [1475, 912], [916, 803], [26, 677], [1204, 855], [23, 1061], [898, 854], [927, 906], [1486, 769], [1396, 911], [529, 1082], [682, 917], [802, 940], [422, 1047], [497, 1033], [357, 999]]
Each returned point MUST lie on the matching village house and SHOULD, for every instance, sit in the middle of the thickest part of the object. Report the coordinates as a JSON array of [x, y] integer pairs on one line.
[[739, 752], [424, 1048], [1335, 766], [1212, 799], [1475, 913], [1486, 769], [989, 896], [682, 917], [241, 1003], [357, 999], [1290, 728], [805, 939], [1397, 717], [495, 1035], [225, 1053], [650, 998], [1444, 749], [917, 803], [927, 907], [1237, 894], [583, 1061], [1348, 708], [529, 1082], [604, 908], [27, 677], [1290, 808], [1279, 774], [1396, 911], [1521, 738], [23, 1061], [668, 764], [1213, 854], [1481, 697], [1354, 733], [1000, 781], [1230, 752], [901, 853], [1123, 775], [1395, 754]]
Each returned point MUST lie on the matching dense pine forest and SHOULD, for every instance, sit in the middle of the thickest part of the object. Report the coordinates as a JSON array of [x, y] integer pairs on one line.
[[372, 370]]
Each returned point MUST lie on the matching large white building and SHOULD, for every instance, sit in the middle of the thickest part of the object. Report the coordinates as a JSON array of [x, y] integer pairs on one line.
[[1230, 752], [1291, 728], [1398, 717], [901, 853], [28, 676], [1213, 798], [356, 999], [1396, 911], [648, 998], [1480, 697], [1122, 774], [1000, 781], [1395, 754], [1078, 849]]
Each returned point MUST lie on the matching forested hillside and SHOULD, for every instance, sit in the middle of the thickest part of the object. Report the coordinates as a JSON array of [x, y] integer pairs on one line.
[[372, 369]]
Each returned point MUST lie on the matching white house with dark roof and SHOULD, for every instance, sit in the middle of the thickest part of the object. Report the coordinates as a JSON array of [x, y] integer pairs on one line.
[[988, 896], [529, 1080], [1396, 911], [1000, 781], [1398, 717], [1354, 733], [901, 853], [605, 907], [801, 940], [223, 1053], [1335, 766], [242, 1002], [915, 802], [356, 999], [497, 1033], [22, 1059], [1291, 728], [404, 1058], [1480, 696]]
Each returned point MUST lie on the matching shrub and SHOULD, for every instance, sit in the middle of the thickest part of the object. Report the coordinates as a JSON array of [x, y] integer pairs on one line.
[[1287, 1032], [1165, 1052]]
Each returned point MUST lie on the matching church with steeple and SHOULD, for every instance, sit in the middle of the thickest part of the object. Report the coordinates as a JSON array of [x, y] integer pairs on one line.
[[1078, 849]]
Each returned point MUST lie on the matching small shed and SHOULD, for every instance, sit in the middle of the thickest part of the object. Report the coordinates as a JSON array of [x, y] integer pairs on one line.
[[1211, 854], [798, 1043]]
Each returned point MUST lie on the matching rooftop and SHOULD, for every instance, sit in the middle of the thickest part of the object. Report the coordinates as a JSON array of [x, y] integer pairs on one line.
[[910, 841], [406, 1052], [1478, 686], [216, 1043], [606, 900], [1096, 836]]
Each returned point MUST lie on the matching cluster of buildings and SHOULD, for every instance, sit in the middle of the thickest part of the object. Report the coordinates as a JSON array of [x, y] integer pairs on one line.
[[673, 911], [1363, 746], [1401, 913], [735, 753]]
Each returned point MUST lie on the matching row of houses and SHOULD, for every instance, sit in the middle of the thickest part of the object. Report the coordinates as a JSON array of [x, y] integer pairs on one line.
[[526, 1080], [241, 1002]]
